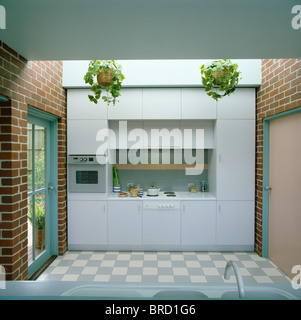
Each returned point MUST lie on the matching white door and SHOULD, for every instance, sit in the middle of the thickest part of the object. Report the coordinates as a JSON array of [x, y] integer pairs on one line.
[[161, 227], [124, 222], [235, 223], [162, 103], [238, 105], [235, 159], [196, 104], [198, 222], [129, 105], [87, 224], [79, 107], [82, 136]]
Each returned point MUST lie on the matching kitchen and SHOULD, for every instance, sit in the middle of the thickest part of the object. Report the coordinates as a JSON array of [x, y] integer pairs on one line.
[[31, 83], [164, 138]]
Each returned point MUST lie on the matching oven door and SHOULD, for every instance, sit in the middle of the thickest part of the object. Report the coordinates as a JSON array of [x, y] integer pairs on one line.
[[87, 178]]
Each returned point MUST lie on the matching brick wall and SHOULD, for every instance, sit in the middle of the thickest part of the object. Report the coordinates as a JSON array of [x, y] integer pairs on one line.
[[36, 84], [280, 91]]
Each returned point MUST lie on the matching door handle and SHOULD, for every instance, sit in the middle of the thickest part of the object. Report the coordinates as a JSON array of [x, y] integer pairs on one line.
[[267, 188], [52, 188]]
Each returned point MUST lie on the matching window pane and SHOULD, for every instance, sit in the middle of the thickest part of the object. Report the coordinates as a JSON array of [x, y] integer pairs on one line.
[[30, 228], [29, 156], [40, 157], [40, 212]]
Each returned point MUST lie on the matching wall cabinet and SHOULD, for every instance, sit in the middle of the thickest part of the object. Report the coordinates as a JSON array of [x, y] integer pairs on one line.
[[162, 103], [129, 105], [196, 104], [79, 107], [235, 159], [82, 135], [124, 222], [198, 221], [87, 224], [235, 223], [162, 134], [239, 105], [208, 135]]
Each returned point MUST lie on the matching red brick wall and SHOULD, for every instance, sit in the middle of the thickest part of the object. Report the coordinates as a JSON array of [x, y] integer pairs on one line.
[[36, 84], [280, 91]]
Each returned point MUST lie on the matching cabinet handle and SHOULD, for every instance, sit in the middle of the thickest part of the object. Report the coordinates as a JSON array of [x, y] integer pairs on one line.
[[104, 208], [183, 207], [220, 158], [219, 208]]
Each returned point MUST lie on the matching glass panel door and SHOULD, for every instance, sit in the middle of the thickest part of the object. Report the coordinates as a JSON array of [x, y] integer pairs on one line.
[[37, 191]]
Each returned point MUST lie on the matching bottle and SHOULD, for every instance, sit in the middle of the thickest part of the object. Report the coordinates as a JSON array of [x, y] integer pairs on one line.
[[204, 186]]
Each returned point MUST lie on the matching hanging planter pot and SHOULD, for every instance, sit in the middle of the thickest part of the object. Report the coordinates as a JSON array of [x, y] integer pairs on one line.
[[222, 74], [104, 75], [217, 75]]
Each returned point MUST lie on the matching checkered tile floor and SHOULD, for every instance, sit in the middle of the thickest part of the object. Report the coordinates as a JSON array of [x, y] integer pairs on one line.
[[163, 267]]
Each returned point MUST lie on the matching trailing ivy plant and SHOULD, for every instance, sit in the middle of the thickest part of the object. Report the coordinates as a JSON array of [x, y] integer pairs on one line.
[[225, 81], [113, 90]]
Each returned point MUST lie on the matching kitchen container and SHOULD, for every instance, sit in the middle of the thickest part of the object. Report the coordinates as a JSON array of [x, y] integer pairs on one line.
[[116, 189], [204, 186], [134, 192], [193, 189], [152, 189]]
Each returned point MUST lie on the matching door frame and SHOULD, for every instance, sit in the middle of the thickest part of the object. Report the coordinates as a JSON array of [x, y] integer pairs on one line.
[[50, 121], [266, 176]]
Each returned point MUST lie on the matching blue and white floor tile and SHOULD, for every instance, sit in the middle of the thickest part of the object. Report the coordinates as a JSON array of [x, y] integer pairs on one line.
[[160, 267]]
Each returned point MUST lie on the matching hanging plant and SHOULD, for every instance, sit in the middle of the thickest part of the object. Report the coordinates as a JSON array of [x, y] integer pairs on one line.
[[221, 73], [104, 75]]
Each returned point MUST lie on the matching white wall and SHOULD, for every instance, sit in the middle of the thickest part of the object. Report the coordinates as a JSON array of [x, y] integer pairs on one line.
[[161, 73]]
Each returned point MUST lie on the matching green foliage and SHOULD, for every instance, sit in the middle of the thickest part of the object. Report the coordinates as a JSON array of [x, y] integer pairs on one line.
[[226, 83], [91, 78], [39, 212], [115, 177]]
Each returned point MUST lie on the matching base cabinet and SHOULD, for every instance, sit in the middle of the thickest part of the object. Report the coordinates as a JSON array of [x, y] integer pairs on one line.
[[87, 224], [198, 221], [235, 223], [161, 228], [124, 223]]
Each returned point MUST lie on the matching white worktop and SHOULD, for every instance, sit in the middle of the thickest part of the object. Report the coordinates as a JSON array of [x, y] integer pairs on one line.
[[181, 195]]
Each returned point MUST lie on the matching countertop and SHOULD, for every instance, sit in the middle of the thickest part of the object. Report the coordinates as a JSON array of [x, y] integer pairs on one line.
[[180, 195]]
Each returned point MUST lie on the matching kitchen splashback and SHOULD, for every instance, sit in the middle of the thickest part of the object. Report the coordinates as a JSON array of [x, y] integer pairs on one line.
[[168, 180]]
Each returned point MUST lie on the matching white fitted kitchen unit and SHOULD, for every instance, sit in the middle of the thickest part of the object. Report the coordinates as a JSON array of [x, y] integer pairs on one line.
[[221, 219]]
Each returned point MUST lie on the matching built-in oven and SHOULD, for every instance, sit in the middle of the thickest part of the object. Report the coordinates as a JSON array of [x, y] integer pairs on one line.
[[86, 173]]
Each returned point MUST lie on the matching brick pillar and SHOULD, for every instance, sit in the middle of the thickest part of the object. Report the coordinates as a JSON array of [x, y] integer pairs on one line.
[[37, 84]]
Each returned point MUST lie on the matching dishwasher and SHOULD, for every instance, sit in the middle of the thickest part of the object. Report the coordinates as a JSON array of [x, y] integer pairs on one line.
[[161, 222]]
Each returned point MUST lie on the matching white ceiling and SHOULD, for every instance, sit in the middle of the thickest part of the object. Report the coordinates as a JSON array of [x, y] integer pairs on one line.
[[151, 29]]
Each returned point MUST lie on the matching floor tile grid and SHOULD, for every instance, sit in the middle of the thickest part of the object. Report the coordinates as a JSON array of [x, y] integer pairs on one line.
[[163, 267]]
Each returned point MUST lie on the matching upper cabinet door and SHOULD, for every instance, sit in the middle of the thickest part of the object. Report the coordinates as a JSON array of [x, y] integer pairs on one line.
[[238, 105], [162, 103], [79, 107], [196, 104], [83, 137], [129, 105]]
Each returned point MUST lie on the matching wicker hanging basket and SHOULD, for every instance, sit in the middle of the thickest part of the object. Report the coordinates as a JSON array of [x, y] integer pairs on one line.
[[217, 74], [104, 78]]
